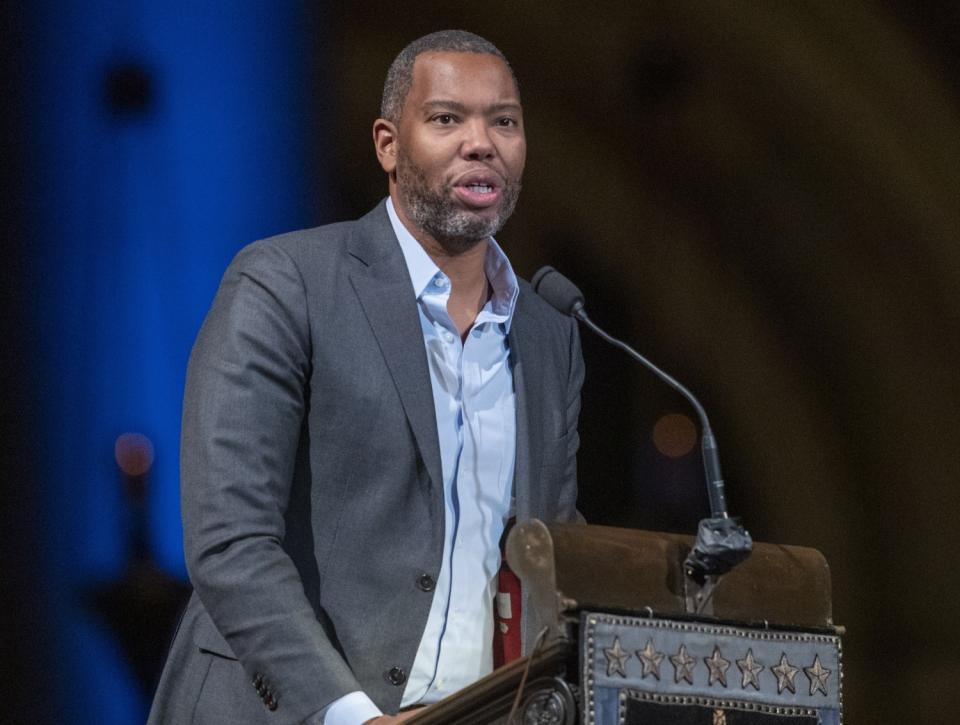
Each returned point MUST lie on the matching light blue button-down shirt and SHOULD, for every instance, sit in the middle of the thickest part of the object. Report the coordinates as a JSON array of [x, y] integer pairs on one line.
[[475, 406]]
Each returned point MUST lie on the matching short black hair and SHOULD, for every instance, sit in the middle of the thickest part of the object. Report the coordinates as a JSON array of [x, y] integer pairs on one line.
[[400, 75]]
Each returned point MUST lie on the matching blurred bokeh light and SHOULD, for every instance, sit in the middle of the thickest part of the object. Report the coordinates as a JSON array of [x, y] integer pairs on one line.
[[133, 453], [674, 435]]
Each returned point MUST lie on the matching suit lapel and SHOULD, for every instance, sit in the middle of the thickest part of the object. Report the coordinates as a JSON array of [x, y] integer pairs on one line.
[[382, 283], [527, 361], [527, 379]]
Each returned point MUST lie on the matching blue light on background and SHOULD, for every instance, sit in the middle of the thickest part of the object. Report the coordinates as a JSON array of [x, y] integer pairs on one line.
[[137, 211]]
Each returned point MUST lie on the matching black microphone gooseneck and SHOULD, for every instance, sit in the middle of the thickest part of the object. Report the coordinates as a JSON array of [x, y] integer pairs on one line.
[[722, 542]]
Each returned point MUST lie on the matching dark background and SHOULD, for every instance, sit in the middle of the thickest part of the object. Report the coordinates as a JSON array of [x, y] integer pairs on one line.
[[761, 197]]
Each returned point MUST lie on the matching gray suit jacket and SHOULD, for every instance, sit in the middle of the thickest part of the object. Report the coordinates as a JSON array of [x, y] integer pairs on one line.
[[312, 494]]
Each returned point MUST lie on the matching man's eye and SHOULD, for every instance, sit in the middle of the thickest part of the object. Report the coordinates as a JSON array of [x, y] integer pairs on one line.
[[444, 119], [506, 121]]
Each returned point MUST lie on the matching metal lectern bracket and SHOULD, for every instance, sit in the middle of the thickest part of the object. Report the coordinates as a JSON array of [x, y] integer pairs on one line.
[[697, 597], [721, 544], [530, 555]]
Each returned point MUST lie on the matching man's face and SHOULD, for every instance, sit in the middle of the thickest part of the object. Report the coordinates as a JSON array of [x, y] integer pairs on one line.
[[460, 147]]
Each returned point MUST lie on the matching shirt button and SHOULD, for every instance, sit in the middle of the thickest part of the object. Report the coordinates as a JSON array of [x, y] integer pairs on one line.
[[440, 281], [448, 336], [426, 583], [395, 676]]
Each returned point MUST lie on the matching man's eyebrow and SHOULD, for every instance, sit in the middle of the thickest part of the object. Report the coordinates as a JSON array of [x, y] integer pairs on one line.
[[441, 103]]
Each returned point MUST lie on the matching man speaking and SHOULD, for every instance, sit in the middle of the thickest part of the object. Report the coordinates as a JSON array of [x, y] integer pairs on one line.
[[367, 405]]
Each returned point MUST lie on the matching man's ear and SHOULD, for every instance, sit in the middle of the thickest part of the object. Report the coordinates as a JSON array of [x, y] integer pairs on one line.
[[385, 142]]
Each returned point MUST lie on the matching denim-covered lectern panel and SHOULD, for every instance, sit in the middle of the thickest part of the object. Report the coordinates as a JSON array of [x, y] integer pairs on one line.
[[640, 671]]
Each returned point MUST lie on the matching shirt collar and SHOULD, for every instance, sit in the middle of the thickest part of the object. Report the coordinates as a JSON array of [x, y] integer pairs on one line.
[[423, 270]]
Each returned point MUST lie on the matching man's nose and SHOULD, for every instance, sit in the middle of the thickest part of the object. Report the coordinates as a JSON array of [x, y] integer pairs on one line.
[[477, 143]]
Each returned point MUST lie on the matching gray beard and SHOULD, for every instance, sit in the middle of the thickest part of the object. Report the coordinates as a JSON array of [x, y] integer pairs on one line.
[[457, 230]]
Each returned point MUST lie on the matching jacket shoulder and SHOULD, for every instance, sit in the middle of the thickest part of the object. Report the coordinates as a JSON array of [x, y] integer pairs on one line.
[[328, 240], [328, 244]]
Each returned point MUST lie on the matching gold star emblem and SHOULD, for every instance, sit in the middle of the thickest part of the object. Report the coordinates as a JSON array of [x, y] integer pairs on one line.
[[817, 674], [751, 670], [682, 665], [785, 673], [616, 659], [650, 659], [718, 667]]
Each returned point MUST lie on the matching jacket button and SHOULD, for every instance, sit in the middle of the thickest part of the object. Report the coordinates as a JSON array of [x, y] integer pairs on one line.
[[426, 583], [395, 676]]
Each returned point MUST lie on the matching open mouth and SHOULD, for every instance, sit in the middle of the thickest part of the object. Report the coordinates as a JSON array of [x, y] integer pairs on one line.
[[478, 189]]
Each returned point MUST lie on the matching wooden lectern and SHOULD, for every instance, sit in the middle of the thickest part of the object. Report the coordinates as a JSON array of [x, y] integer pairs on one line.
[[630, 639]]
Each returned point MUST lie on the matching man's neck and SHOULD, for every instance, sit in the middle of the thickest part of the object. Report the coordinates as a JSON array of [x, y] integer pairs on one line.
[[469, 288]]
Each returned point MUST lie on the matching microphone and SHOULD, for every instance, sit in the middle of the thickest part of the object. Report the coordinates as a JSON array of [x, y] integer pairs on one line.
[[722, 542]]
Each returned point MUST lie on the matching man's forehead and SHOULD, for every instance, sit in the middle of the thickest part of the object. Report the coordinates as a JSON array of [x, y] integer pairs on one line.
[[452, 71]]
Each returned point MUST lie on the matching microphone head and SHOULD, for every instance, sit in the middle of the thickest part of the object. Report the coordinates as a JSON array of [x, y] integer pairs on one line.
[[560, 292]]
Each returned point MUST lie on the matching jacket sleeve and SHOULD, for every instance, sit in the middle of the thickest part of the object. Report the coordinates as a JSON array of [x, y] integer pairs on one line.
[[244, 407]]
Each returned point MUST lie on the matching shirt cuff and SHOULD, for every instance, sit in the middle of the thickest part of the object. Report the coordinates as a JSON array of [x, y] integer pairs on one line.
[[354, 708]]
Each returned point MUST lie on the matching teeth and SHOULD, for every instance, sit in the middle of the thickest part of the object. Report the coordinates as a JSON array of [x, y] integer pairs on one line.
[[481, 188]]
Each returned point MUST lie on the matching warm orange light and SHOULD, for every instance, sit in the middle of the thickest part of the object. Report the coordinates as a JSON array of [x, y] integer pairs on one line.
[[134, 453], [674, 435]]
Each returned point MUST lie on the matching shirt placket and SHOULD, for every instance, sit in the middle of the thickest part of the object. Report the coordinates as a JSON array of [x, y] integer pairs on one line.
[[435, 300]]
